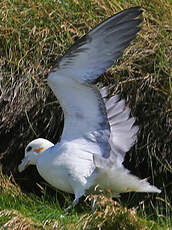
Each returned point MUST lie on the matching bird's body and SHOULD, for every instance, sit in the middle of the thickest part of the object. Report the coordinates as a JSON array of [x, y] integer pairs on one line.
[[97, 131], [63, 167]]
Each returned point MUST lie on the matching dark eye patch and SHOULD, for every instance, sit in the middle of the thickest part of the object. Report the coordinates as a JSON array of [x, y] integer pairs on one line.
[[29, 148]]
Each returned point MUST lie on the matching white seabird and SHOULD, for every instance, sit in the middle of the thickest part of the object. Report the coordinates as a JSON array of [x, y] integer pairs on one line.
[[97, 131]]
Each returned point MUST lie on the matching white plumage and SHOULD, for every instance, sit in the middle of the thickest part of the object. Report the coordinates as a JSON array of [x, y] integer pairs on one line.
[[97, 131]]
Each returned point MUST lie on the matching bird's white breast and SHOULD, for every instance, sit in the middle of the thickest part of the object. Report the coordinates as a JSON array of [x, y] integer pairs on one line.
[[60, 166]]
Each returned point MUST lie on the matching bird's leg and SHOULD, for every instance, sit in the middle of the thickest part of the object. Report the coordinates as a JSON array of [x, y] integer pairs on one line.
[[79, 191], [75, 202]]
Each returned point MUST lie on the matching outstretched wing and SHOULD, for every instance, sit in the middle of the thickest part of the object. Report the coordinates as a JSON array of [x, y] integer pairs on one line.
[[91, 55], [84, 109]]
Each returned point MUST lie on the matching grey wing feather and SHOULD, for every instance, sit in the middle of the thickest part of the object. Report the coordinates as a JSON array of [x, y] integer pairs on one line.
[[116, 108], [123, 132], [120, 113], [104, 92], [91, 55], [111, 102]]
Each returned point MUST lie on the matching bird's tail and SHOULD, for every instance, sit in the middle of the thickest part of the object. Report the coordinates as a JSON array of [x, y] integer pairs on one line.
[[119, 180]]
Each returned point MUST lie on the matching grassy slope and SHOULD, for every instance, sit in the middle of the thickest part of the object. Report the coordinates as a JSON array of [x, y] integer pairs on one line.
[[21, 211], [32, 34]]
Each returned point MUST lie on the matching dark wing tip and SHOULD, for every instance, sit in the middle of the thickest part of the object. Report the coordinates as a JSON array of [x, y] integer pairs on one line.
[[115, 33]]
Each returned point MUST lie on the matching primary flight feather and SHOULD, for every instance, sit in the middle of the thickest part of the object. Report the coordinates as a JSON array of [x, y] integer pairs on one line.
[[97, 131]]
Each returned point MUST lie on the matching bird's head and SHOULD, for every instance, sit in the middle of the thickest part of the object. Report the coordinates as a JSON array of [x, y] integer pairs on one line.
[[32, 151]]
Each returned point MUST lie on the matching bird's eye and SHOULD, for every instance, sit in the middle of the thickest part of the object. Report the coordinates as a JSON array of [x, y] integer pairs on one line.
[[29, 148]]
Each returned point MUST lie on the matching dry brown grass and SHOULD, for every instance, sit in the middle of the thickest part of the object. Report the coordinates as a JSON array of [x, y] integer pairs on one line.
[[109, 214], [17, 221]]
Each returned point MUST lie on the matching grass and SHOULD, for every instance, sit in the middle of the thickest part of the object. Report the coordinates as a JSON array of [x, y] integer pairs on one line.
[[28, 211], [32, 35]]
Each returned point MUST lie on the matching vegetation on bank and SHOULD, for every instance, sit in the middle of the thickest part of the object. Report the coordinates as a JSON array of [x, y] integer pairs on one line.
[[32, 35], [28, 211]]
